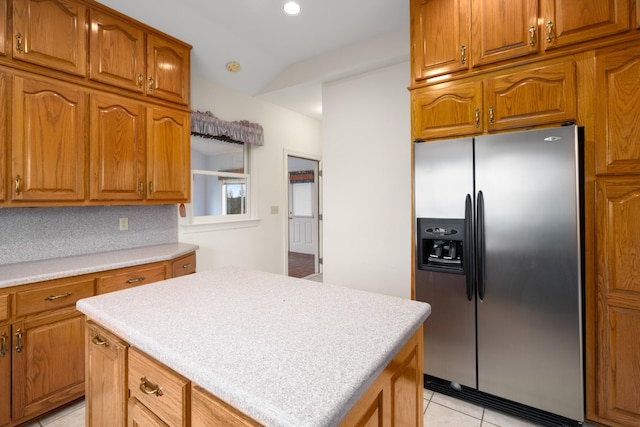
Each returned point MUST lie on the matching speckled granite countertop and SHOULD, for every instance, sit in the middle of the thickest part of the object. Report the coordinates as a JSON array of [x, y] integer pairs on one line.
[[287, 352], [55, 268]]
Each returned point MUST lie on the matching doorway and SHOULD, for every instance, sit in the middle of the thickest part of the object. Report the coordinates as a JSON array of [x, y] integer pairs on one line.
[[304, 237]]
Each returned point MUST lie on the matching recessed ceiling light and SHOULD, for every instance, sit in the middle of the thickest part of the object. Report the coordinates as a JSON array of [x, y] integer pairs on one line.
[[291, 8], [233, 67]]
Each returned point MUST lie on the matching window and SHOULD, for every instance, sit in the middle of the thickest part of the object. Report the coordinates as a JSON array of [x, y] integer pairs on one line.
[[221, 182]]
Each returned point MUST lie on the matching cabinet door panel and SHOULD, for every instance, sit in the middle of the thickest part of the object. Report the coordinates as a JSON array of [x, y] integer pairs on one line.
[[51, 33], [117, 52], [4, 116], [140, 416], [106, 393], [117, 149], [540, 95], [5, 374], [48, 141], [617, 125], [440, 33], [494, 41], [618, 296], [566, 22], [4, 27], [168, 161], [447, 109], [168, 69], [49, 368]]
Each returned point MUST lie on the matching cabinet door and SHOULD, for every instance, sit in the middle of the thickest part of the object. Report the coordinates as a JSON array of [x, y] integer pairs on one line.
[[140, 416], [4, 27], [5, 374], [168, 161], [51, 33], [168, 69], [440, 37], [618, 295], [566, 22], [503, 30], [4, 108], [533, 96], [117, 52], [106, 387], [116, 149], [48, 141], [446, 109], [208, 410], [617, 107], [48, 362]]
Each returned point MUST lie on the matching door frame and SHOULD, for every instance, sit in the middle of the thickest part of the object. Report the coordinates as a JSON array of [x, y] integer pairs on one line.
[[317, 211]]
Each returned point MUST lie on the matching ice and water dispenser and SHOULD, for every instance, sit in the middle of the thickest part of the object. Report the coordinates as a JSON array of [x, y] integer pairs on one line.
[[441, 245]]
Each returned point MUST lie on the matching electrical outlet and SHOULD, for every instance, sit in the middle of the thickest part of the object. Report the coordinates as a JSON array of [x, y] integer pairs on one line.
[[124, 224]]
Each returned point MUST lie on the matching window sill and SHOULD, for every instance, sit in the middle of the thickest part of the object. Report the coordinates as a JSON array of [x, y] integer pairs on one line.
[[218, 225]]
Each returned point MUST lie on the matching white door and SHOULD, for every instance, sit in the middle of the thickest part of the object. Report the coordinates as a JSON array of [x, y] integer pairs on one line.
[[303, 209]]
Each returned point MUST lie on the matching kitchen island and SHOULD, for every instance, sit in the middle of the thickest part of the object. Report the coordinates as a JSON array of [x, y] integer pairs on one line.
[[267, 349]]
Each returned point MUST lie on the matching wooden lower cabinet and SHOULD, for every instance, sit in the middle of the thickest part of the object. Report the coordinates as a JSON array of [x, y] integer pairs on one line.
[[157, 396], [184, 265], [5, 374], [106, 354], [47, 361], [618, 300]]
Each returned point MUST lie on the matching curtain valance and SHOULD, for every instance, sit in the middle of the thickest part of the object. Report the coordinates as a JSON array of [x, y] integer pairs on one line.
[[206, 125]]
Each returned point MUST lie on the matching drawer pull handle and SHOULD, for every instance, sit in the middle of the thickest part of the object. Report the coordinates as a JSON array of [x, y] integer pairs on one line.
[[19, 43], [148, 387], [135, 280], [18, 182], [98, 340], [151, 84], [3, 345], [19, 345], [187, 265], [55, 297]]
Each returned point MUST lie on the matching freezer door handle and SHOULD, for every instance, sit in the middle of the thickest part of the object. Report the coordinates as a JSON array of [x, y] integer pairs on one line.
[[480, 249], [467, 249]]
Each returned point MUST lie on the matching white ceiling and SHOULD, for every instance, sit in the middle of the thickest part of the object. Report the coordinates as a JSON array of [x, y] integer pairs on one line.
[[284, 60]]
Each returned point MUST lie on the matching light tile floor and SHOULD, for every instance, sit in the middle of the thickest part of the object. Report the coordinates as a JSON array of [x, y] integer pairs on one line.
[[440, 411]]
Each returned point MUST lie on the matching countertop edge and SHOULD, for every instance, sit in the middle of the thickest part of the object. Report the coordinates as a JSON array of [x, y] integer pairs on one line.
[[57, 268]]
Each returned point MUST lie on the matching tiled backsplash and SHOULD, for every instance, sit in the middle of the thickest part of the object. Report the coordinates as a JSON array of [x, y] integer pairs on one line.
[[29, 234]]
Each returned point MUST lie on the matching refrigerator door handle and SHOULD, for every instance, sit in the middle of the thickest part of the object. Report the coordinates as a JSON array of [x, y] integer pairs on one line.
[[480, 249], [468, 247]]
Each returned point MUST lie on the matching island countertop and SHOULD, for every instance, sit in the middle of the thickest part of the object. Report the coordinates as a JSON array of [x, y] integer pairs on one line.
[[285, 351]]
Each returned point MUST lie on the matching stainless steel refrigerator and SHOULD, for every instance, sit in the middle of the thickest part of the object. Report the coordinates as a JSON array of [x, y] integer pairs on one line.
[[498, 257]]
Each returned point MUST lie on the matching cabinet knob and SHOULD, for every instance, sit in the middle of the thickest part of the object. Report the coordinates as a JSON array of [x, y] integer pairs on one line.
[[19, 42], [148, 387], [532, 36], [3, 345], [549, 31], [19, 345]]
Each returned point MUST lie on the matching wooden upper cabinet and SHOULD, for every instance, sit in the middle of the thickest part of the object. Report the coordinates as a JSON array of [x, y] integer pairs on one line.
[[532, 96], [618, 298], [440, 37], [566, 22], [116, 148], [617, 110], [51, 33], [4, 108], [168, 69], [4, 27], [168, 154], [503, 30], [117, 54], [446, 110], [48, 144]]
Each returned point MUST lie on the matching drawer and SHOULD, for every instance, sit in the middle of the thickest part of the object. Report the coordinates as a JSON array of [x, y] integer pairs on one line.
[[183, 266], [61, 294], [162, 391], [130, 277], [5, 310]]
